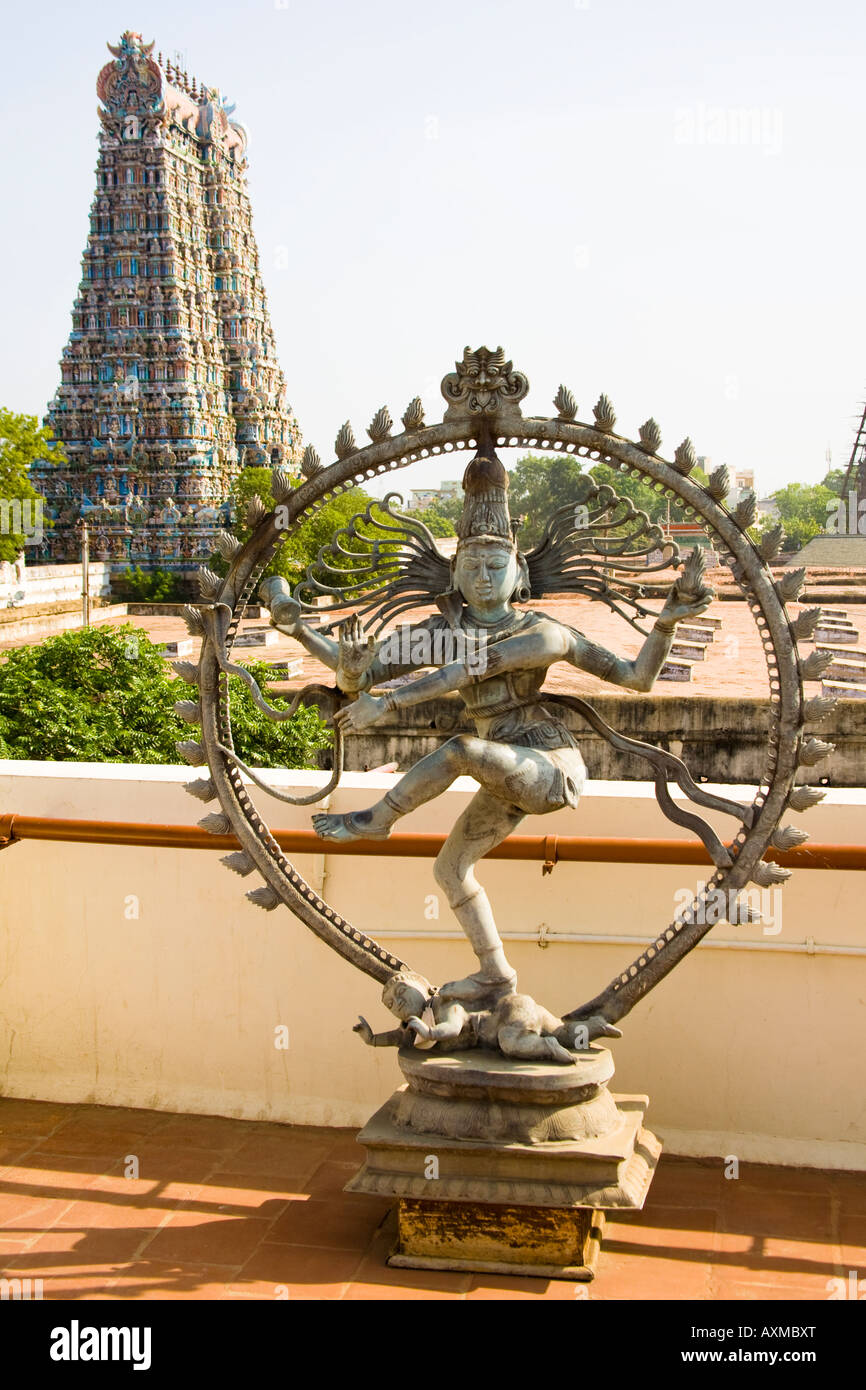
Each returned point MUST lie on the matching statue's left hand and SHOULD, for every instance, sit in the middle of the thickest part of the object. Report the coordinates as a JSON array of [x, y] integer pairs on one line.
[[678, 606], [360, 714]]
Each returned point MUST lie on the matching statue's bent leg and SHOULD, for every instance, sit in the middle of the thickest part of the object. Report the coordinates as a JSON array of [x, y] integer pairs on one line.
[[533, 780], [486, 822], [429, 777]]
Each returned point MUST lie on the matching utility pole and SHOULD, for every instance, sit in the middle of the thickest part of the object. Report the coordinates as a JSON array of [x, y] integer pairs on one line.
[[85, 574]]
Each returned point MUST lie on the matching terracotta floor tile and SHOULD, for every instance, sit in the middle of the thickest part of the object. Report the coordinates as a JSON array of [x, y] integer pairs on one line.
[[751, 1257], [762, 1293], [14, 1245], [797, 1216], [492, 1287], [850, 1191], [113, 1213], [662, 1229], [236, 1198], [785, 1270], [164, 1163], [678, 1183], [302, 1270], [330, 1178], [30, 1211], [190, 1238], [726, 1283], [148, 1280], [116, 1118], [852, 1239], [732, 1246], [346, 1150], [649, 1277], [338, 1223], [14, 1150], [59, 1185], [77, 1285], [375, 1273], [408, 1292], [285, 1158], [56, 1252], [112, 1145], [763, 1177], [201, 1132], [810, 1256], [293, 1134], [116, 1185], [32, 1116]]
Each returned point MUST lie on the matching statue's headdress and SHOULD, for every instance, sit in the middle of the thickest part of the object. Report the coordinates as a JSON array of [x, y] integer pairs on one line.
[[485, 501]]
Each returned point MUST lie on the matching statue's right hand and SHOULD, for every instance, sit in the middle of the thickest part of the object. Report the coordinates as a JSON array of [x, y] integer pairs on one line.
[[356, 655], [364, 1031], [285, 611]]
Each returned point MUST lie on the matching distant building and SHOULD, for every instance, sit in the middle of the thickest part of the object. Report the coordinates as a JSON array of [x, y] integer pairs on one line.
[[170, 380], [421, 497], [768, 507]]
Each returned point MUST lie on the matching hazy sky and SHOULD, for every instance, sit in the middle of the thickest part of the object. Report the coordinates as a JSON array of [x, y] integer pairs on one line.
[[661, 201]]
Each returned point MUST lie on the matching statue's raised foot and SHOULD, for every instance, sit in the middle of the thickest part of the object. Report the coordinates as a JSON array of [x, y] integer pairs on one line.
[[351, 825]]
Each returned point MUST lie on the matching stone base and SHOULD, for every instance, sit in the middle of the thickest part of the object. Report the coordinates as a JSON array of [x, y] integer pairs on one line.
[[505, 1166], [547, 1242]]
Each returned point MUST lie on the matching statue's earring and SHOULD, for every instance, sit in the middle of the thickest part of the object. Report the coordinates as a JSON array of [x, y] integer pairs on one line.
[[522, 590]]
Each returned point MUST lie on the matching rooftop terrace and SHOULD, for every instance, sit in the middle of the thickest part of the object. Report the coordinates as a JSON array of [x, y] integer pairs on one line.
[[228, 1209]]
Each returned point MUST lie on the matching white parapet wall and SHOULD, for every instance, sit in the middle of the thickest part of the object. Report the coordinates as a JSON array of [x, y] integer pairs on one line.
[[51, 583], [143, 977]]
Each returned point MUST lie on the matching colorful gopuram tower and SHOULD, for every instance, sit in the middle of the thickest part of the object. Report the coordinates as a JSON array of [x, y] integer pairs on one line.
[[170, 380]]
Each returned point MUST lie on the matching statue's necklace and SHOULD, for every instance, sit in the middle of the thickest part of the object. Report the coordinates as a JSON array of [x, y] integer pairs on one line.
[[503, 627]]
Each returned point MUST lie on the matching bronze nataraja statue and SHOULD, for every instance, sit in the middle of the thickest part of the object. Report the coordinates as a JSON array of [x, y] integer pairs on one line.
[[523, 756], [495, 656]]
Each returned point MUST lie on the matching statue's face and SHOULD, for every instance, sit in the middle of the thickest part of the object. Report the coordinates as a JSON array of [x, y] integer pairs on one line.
[[404, 1000], [486, 573]]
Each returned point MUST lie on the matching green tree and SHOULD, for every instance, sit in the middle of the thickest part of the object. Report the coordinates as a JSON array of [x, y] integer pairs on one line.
[[541, 483], [106, 694], [22, 442], [641, 494], [451, 508], [538, 485], [834, 480], [300, 550], [804, 511], [148, 586], [436, 522]]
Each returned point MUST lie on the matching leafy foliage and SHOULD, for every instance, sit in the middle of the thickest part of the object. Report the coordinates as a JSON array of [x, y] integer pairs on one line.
[[540, 484], [450, 508], [804, 510], [301, 549], [22, 442], [435, 520], [148, 586], [106, 694]]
